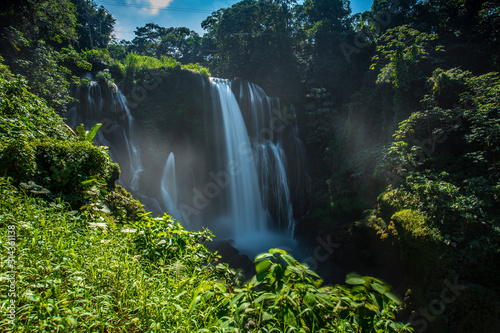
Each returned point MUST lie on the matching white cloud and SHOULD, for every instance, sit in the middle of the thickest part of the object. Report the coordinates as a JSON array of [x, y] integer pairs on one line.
[[156, 5]]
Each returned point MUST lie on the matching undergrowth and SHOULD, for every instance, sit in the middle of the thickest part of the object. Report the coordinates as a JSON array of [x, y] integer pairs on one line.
[[76, 273]]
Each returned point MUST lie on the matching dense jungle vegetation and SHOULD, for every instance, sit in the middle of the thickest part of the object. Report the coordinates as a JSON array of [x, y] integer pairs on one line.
[[398, 107]]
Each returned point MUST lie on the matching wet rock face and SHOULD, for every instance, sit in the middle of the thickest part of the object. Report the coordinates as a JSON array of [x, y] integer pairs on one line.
[[333, 252], [233, 257]]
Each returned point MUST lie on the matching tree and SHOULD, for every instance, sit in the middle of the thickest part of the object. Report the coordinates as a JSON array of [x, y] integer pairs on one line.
[[182, 44], [26, 21], [253, 40], [34, 41], [95, 25], [147, 39], [327, 24], [405, 58]]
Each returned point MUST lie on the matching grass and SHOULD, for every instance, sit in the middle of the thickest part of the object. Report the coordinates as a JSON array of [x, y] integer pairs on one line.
[[75, 277], [139, 63], [79, 272]]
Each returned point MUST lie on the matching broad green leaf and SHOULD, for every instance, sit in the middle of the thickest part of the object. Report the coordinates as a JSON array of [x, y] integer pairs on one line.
[[380, 288], [393, 298], [263, 266], [93, 131], [290, 261], [280, 251], [236, 298], [88, 182], [354, 279], [266, 316], [243, 307], [261, 256], [264, 297]]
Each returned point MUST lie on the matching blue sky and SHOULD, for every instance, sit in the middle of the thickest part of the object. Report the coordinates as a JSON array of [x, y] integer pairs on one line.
[[130, 14]]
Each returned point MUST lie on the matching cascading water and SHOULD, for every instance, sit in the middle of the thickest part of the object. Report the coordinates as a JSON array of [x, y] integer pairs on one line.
[[169, 188], [250, 196], [133, 149], [274, 137], [274, 182], [247, 212], [90, 110], [245, 207]]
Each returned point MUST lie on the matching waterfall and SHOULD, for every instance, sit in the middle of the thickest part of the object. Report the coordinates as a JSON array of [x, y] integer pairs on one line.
[[169, 188], [258, 169], [89, 109], [274, 182], [274, 137], [239, 170], [121, 127], [245, 207], [134, 153]]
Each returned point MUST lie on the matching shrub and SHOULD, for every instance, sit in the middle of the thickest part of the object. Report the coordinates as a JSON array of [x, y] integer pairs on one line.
[[99, 58], [123, 205], [17, 160], [414, 226], [25, 116], [63, 166], [104, 78], [286, 296]]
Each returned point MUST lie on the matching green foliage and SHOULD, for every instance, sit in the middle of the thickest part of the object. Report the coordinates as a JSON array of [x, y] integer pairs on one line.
[[252, 40], [80, 273], [51, 21], [37, 33], [62, 167], [320, 117], [76, 62], [144, 70], [94, 25], [415, 225], [84, 135], [166, 239], [442, 209], [445, 87], [25, 116], [123, 205], [117, 51], [483, 95], [182, 44], [286, 296], [405, 56], [326, 27], [17, 160], [197, 68], [99, 58], [148, 39], [37, 146], [42, 66], [138, 62], [331, 15]]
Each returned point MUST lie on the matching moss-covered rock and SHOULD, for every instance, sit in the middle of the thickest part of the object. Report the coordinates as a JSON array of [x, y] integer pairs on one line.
[[122, 204]]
